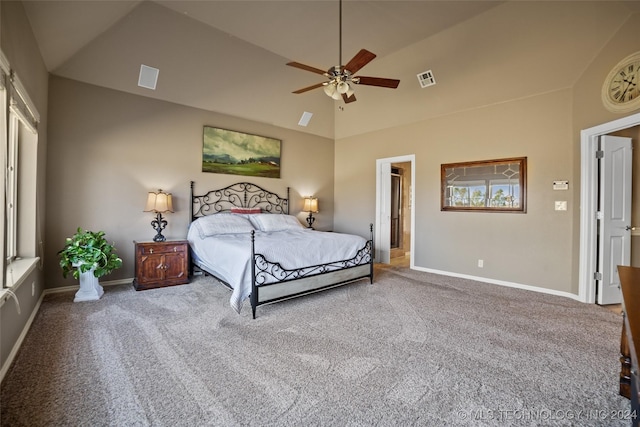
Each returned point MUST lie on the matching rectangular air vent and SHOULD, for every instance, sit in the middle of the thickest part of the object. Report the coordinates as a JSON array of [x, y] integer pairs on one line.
[[426, 79], [148, 77]]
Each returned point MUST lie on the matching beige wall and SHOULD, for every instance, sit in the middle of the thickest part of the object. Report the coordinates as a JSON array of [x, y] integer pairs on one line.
[[514, 247], [588, 110], [539, 248], [19, 46], [109, 148]]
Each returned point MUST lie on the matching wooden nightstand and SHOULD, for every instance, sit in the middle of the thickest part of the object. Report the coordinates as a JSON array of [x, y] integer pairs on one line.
[[160, 264]]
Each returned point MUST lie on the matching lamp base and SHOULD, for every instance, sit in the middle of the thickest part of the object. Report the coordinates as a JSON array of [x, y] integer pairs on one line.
[[310, 220], [159, 238], [159, 224]]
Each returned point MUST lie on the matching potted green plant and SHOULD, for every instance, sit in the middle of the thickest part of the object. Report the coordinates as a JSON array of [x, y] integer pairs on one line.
[[87, 255]]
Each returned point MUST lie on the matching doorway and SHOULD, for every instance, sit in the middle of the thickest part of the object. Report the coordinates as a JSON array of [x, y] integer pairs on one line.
[[400, 238], [394, 210], [589, 140]]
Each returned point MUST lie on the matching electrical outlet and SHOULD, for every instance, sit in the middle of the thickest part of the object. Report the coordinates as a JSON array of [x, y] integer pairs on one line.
[[481, 263]]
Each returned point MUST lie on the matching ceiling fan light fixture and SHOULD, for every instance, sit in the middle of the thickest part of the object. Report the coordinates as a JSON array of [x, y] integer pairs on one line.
[[339, 87], [330, 89], [343, 87]]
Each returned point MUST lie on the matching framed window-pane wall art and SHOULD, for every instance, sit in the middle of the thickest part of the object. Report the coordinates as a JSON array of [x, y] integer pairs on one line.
[[485, 186], [237, 153]]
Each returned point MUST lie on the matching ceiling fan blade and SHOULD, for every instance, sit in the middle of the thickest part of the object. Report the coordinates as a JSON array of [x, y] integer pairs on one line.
[[361, 59], [348, 99], [308, 88], [378, 81], [307, 68]]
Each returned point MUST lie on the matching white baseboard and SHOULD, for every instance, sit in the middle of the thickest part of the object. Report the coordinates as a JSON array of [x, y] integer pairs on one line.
[[18, 343], [500, 283], [76, 287], [27, 326]]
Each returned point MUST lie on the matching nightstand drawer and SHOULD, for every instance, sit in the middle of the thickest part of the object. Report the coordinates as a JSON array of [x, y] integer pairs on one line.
[[161, 248]]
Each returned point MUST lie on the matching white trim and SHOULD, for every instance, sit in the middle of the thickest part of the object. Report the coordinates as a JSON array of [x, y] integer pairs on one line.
[[589, 202], [22, 92], [399, 159], [18, 270], [4, 64], [4, 163], [76, 287], [18, 344], [500, 283], [11, 186], [26, 121]]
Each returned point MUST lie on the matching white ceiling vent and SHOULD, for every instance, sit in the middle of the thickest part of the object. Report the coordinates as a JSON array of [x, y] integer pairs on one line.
[[148, 77], [426, 79], [304, 120]]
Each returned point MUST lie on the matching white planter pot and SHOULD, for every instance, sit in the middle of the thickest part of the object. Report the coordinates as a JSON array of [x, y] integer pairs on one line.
[[90, 289]]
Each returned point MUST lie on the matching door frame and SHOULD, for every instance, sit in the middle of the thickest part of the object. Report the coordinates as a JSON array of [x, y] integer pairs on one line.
[[589, 202], [411, 158]]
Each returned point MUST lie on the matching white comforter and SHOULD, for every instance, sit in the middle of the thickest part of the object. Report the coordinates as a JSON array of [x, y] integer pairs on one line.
[[228, 256]]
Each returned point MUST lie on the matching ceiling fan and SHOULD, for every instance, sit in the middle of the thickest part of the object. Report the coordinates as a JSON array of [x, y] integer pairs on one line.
[[342, 78]]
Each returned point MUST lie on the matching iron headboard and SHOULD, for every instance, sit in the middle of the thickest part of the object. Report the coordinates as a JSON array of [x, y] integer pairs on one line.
[[240, 195]]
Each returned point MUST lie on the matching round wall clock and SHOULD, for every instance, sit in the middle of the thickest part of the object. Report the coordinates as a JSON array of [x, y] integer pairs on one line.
[[621, 89]]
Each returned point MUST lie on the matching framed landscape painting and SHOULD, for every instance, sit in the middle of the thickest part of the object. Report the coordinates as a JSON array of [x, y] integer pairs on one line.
[[236, 153]]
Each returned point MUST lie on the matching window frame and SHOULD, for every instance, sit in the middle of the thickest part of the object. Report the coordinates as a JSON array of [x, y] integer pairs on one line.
[[497, 172], [19, 143]]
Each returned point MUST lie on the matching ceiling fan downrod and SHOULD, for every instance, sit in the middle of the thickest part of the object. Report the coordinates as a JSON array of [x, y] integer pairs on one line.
[[340, 38], [343, 77]]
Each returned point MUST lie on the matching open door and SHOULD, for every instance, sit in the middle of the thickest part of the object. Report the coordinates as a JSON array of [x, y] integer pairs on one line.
[[614, 216], [384, 233]]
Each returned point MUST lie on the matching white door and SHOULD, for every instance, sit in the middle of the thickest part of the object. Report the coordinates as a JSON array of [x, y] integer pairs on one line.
[[614, 246], [384, 229]]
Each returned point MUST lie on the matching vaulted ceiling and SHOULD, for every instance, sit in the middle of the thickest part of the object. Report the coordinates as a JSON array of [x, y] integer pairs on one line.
[[302, 30], [230, 56]]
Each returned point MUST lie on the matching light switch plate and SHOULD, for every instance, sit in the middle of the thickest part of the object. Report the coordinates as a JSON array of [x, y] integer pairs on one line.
[[561, 205]]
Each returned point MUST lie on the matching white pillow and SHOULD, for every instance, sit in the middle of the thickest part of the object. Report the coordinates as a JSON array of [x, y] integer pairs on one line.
[[275, 222], [222, 224]]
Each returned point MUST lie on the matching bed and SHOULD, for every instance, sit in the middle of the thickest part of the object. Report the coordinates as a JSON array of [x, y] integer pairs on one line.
[[244, 236]]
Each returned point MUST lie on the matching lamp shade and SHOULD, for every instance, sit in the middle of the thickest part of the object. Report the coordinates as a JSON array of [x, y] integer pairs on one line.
[[310, 204], [159, 202], [343, 87], [330, 89]]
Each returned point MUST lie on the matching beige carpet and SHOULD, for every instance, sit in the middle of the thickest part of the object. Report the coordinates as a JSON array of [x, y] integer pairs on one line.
[[411, 349]]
